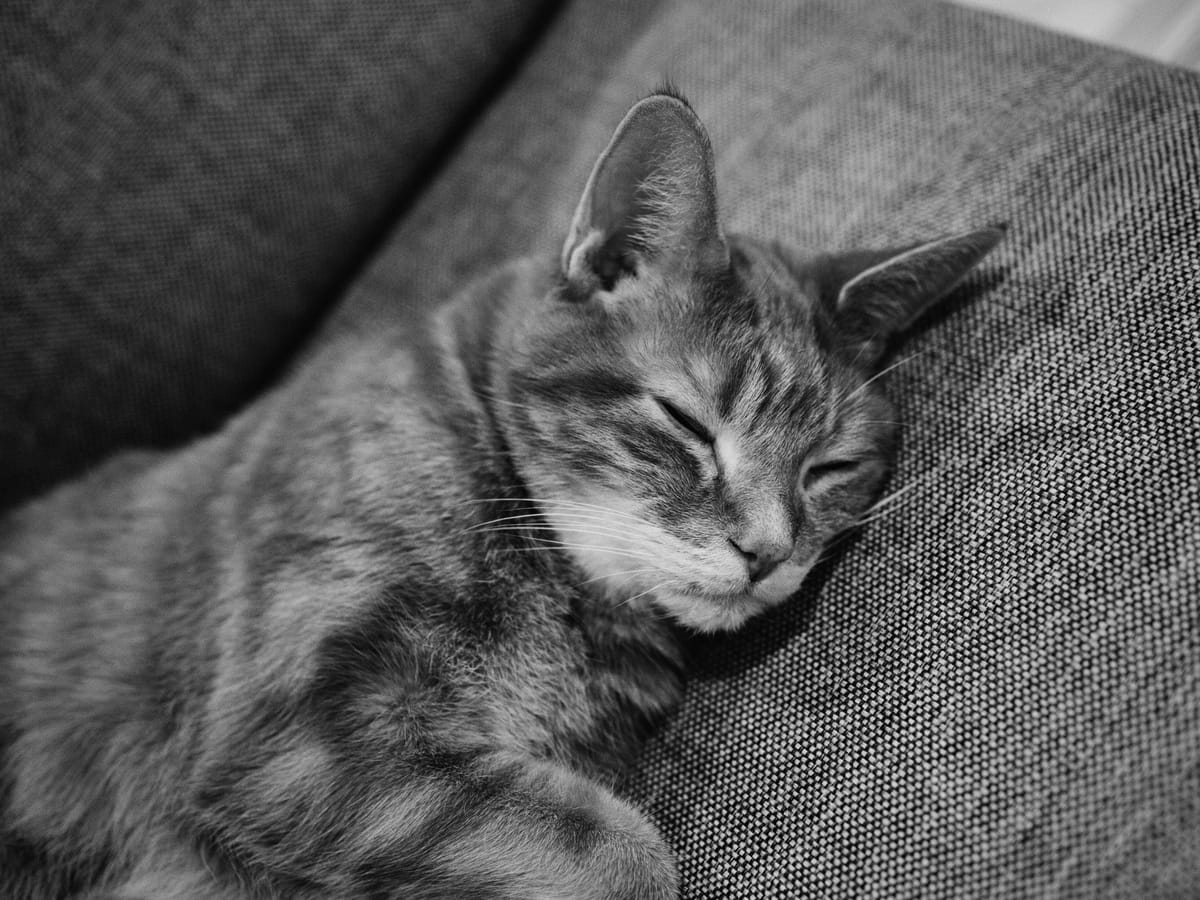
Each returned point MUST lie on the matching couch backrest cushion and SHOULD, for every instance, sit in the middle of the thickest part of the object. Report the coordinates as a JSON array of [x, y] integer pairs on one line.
[[185, 185]]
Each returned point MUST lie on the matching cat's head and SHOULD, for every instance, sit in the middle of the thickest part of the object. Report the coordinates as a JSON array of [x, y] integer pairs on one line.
[[695, 414]]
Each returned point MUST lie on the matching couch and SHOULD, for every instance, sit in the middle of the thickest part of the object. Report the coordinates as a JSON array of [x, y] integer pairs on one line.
[[990, 690]]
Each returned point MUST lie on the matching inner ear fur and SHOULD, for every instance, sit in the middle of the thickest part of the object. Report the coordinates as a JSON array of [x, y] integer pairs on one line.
[[870, 296], [651, 200]]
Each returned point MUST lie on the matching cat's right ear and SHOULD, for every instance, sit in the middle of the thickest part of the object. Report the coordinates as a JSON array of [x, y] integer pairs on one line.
[[651, 201]]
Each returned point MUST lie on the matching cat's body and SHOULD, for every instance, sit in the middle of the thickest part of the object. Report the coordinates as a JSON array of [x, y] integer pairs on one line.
[[393, 630], [276, 592]]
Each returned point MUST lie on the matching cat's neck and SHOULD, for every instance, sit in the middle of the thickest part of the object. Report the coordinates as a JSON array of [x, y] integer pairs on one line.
[[461, 358]]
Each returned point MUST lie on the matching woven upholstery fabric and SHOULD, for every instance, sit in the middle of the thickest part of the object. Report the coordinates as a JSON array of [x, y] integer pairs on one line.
[[993, 688], [185, 185]]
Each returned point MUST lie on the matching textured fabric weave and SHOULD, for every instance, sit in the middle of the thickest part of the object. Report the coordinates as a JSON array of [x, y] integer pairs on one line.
[[185, 185], [992, 689]]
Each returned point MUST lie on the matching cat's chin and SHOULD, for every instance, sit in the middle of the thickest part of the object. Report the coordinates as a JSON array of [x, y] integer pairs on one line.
[[703, 610], [708, 614]]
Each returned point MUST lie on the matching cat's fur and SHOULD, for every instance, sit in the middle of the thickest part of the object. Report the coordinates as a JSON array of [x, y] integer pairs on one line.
[[397, 629]]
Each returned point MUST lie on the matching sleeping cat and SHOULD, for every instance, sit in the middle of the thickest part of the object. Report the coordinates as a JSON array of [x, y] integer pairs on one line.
[[399, 627]]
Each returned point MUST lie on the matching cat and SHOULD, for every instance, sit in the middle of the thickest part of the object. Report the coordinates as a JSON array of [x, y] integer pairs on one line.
[[400, 626]]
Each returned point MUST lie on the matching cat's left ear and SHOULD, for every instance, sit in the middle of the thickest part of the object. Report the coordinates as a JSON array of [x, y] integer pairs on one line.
[[651, 201], [896, 288]]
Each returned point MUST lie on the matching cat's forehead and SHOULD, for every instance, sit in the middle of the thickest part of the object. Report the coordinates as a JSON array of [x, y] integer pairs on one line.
[[741, 359], [755, 313], [756, 298]]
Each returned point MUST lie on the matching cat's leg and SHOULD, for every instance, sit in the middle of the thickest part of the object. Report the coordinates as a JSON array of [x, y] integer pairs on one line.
[[491, 826]]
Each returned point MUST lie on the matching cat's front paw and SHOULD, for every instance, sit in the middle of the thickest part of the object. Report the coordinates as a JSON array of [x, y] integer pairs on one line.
[[574, 841], [630, 861], [641, 870]]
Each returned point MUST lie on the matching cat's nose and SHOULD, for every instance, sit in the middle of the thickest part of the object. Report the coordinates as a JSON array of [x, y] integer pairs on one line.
[[761, 554]]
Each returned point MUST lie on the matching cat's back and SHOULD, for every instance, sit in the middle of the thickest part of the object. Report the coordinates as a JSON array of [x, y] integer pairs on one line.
[[360, 446], [45, 545], [76, 579], [334, 399]]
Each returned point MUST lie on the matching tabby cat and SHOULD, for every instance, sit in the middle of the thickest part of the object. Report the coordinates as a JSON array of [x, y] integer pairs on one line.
[[398, 628]]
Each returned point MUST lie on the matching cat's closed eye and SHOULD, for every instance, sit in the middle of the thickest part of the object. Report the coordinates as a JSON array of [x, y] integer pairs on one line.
[[685, 421], [828, 472]]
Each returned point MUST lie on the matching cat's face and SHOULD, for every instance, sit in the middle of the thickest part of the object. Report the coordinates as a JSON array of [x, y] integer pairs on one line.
[[698, 416], [692, 442]]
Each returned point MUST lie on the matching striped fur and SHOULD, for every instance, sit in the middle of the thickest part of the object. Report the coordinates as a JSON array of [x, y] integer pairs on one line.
[[399, 627]]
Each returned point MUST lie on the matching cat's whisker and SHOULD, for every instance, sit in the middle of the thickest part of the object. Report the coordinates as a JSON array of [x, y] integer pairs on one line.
[[555, 548], [583, 521], [574, 505], [827, 550], [882, 372], [527, 527], [857, 360], [535, 521], [570, 515], [620, 574], [532, 532], [546, 504], [889, 499], [517, 529], [568, 518], [545, 543], [772, 271], [836, 541], [888, 509], [867, 520], [893, 501], [650, 590]]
